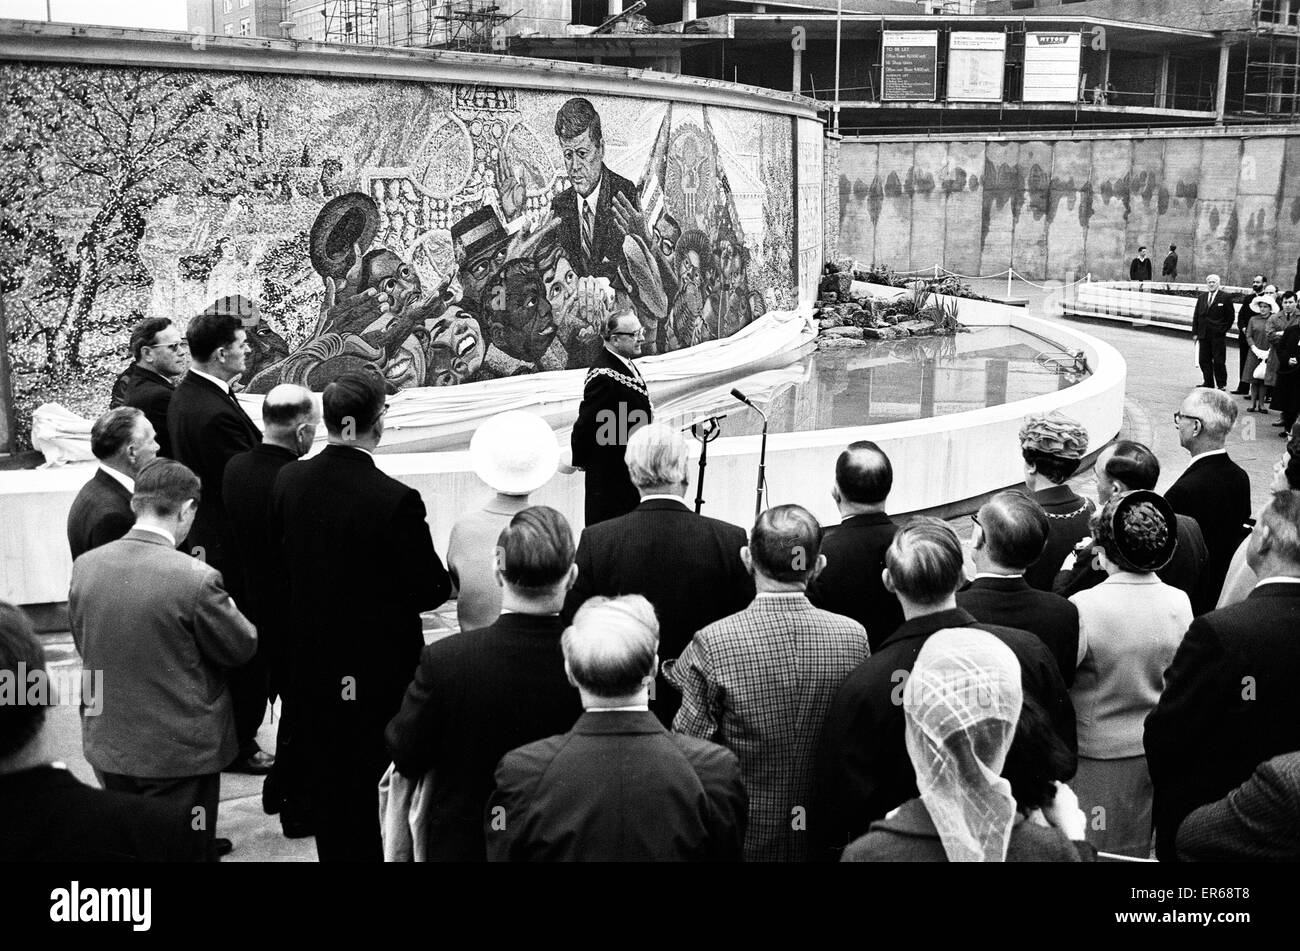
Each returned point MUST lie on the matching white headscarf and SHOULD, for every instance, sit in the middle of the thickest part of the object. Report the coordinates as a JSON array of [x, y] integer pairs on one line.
[[961, 704]]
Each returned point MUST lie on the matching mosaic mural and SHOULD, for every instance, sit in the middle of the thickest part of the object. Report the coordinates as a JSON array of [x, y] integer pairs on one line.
[[442, 233]]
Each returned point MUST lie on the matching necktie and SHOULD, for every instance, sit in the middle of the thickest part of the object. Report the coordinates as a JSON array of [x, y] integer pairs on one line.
[[588, 226], [230, 394]]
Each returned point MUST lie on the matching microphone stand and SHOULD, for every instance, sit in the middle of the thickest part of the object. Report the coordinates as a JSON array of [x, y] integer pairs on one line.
[[762, 453], [762, 466], [705, 431]]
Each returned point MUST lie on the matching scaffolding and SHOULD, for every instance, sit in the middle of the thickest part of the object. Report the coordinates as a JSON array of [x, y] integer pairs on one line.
[[351, 21], [469, 26], [473, 25], [1270, 69]]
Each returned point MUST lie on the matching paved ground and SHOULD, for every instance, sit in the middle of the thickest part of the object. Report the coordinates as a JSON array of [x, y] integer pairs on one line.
[[1161, 370]]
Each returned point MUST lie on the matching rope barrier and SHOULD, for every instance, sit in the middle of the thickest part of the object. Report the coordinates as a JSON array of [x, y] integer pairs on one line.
[[935, 270], [1043, 287]]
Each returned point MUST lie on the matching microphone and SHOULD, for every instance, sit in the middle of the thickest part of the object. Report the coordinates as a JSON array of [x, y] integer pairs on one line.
[[743, 398], [705, 422]]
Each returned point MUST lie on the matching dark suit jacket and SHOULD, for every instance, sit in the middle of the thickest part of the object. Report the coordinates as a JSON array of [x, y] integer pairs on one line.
[[1244, 313], [862, 768], [1212, 321], [688, 566], [359, 567], [476, 696], [1287, 347], [1230, 702], [1170, 268], [1139, 270], [1068, 517], [1259, 821], [163, 630], [607, 244], [618, 788], [851, 584], [1010, 602], [246, 491], [1216, 492], [1183, 571], [910, 836], [150, 393], [101, 513], [47, 815], [207, 429], [614, 403]]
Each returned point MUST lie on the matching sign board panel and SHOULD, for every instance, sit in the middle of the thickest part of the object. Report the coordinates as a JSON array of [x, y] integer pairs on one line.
[[976, 63], [1052, 67], [908, 65]]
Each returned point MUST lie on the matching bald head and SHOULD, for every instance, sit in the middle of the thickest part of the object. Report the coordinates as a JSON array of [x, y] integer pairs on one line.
[[291, 415], [863, 478]]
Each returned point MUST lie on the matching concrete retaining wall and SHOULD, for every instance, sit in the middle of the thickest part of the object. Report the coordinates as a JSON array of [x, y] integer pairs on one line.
[[1057, 207]]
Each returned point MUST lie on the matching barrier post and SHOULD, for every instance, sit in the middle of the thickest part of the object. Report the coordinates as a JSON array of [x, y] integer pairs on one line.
[[1009, 273]]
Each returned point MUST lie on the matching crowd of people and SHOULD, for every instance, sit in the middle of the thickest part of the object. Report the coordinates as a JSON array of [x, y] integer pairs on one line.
[[1082, 679], [1268, 346]]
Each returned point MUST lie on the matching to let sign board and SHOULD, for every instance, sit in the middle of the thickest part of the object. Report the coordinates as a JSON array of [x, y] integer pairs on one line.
[[1052, 67], [908, 65], [976, 62]]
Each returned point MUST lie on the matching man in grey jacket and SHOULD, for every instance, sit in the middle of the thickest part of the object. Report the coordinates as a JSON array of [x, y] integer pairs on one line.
[[158, 632]]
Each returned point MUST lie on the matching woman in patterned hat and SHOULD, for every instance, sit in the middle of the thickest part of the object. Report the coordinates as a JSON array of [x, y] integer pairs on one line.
[[1052, 446], [1130, 625]]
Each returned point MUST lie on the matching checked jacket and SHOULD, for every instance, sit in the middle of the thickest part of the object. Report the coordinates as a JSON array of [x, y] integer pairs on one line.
[[760, 682]]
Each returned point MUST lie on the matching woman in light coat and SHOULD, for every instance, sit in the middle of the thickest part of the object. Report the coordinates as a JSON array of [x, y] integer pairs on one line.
[[1130, 625], [1265, 309]]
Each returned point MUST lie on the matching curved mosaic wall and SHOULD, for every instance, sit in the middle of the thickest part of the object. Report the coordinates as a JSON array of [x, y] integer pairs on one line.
[[442, 232]]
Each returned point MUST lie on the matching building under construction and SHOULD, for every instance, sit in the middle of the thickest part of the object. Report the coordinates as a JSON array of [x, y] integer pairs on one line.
[[478, 26], [1269, 74], [1157, 62], [1260, 42]]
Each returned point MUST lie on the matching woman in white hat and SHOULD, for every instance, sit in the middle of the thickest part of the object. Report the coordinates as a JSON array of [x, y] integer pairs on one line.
[[516, 454], [1264, 307]]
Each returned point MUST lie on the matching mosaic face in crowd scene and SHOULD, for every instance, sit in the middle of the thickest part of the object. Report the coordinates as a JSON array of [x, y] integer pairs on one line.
[[455, 237]]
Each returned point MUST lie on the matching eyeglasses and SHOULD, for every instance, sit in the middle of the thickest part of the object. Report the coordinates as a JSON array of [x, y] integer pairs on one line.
[[628, 333], [173, 347], [975, 517], [1179, 417]]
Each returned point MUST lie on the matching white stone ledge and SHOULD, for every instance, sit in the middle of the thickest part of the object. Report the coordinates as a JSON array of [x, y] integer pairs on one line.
[[936, 461]]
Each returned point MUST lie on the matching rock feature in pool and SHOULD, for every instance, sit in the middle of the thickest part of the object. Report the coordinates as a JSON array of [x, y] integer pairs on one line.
[[850, 313]]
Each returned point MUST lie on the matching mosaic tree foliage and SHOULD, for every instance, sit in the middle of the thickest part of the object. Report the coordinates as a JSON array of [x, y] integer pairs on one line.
[[110, 144]]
